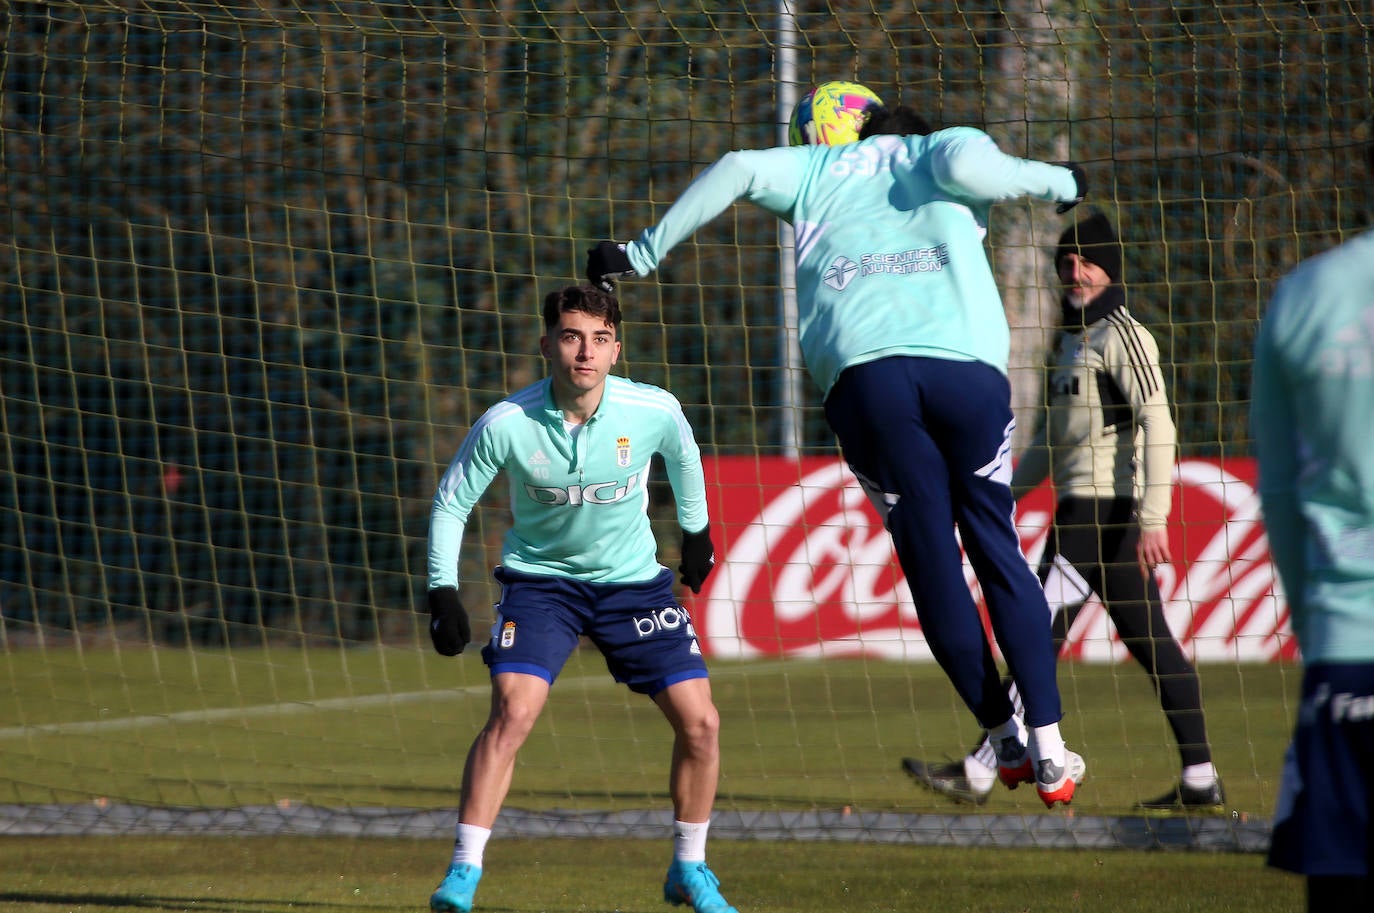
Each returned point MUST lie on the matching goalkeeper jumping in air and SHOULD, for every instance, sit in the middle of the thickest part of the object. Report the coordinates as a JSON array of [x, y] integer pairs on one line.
[[580, 560], [903, 330]]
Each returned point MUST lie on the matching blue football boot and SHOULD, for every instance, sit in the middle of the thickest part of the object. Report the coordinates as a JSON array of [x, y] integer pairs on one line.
[[454, 894], [695, 884]]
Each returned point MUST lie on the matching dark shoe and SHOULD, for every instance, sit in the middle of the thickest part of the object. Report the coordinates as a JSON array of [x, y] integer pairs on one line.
[[947, 779], [1184, 798]]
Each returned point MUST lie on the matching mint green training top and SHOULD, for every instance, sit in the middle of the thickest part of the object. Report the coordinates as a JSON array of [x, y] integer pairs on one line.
[[1312, 418], [890, 230], [578, 502]]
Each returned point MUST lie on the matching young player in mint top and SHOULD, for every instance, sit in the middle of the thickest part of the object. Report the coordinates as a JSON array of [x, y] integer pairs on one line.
[[580, 559], [903, 330]]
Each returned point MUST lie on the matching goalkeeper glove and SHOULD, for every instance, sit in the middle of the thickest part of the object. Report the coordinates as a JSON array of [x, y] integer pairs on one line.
[[606, 263], [698, 557], [1081, 179], [448, 622]]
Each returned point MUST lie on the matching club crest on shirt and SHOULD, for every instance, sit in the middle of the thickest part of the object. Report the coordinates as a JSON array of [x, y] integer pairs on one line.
[[622, 451]]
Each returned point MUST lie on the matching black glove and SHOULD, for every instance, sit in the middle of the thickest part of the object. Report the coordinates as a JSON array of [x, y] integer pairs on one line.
[[698, 557], [448, 622], [1081, 179], [606, 263]]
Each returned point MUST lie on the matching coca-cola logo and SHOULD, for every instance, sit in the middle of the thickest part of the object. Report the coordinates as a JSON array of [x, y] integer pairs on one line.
[[807, 568]]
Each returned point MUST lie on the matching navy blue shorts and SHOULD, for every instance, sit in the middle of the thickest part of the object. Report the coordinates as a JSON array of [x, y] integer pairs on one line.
[[1322, 825], [642, 631]]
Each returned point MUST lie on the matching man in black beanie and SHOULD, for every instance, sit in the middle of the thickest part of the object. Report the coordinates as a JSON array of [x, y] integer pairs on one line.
[[1094, 241], [1108, 438]]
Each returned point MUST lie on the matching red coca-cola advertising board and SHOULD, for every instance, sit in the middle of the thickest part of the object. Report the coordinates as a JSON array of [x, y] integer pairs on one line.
[[805, 568]]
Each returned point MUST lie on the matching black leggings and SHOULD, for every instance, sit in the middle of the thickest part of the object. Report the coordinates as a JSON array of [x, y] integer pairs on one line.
[[1098, 537]]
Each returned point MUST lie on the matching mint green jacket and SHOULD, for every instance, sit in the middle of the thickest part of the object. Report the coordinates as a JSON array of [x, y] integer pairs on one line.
[[889, 233], [578, 502], [1312, 419]]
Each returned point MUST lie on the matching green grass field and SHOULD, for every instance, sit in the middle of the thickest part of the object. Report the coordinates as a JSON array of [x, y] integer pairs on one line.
[[389, 728], [274, 875]]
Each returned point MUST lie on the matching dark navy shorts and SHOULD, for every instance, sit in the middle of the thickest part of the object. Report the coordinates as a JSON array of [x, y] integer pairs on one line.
[[642, 631], [1323, 820]]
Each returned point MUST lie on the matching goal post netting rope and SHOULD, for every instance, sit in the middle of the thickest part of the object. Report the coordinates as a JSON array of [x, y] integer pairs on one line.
[[264, 263]]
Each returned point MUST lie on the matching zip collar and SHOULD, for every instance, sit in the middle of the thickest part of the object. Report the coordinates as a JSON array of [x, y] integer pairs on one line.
[[555, 414]]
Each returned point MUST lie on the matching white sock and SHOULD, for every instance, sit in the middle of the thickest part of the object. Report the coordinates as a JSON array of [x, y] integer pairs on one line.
[[1046, 742], [983, 755], [1199, 776], [469, 843], [689, 840], [980, 776]]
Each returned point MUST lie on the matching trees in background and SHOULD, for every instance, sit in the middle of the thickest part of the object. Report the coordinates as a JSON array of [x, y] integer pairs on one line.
[[263, 265]]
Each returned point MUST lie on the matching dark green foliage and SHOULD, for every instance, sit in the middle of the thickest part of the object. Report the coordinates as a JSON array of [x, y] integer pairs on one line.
[[265, 263]]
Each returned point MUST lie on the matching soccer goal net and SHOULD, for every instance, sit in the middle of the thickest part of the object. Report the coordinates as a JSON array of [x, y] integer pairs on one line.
[[265, 263]]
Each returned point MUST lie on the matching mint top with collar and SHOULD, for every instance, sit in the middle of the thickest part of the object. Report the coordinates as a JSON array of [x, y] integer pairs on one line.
[[579, 496], [890, 231]]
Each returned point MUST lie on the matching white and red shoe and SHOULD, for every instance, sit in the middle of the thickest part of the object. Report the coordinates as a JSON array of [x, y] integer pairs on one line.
[[1014, 765], [1057, 784]]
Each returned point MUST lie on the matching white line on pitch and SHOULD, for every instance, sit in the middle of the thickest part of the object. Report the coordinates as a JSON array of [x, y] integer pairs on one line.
[[288, 708]]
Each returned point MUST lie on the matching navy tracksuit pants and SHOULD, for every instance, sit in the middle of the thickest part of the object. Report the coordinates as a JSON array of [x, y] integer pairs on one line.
[[929, 439]]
